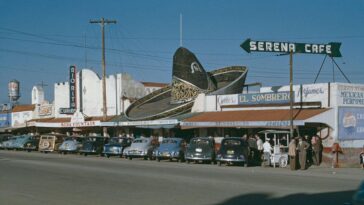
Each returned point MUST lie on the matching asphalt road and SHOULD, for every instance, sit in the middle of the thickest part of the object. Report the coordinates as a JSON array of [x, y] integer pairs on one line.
[[36, 178]]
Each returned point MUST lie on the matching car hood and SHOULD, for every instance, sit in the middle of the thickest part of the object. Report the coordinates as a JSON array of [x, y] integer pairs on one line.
[[168, 147], [70, 143], [112, 145], [139, 146]]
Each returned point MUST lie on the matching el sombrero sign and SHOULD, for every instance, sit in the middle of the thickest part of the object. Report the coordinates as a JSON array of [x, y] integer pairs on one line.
[[331, 49]]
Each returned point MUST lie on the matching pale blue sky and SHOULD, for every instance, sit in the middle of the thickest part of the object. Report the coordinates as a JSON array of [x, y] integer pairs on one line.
[[39, 39]]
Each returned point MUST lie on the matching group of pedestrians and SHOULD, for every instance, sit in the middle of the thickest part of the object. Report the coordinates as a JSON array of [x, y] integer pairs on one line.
[[305, 152]]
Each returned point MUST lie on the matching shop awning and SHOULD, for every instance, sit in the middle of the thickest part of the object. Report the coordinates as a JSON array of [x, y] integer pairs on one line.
[[166, 123], [251, 118], [66, 122]]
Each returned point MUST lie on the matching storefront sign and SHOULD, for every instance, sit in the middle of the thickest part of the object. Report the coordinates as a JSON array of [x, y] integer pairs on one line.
[[284, 123], [227, 99], [331, 49], [80, 124], [67, 111], [72, 84], [351, 123], [150, 122], [352, 95], [264, 98], [19, 119], [45, 110]]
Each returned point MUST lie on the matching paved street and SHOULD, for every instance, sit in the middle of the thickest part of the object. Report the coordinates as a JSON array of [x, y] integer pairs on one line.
[[36, 178]]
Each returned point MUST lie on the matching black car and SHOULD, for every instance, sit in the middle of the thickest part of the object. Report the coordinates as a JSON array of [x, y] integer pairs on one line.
[[32, 144], [201, 149], [233, 150], [92, 145], [116, 146]]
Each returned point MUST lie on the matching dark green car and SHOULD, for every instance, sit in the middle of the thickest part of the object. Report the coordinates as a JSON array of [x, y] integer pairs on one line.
[[92, 145], [201, 149]]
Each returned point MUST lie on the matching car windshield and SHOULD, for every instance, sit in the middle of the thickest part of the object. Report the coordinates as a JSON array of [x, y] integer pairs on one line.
[[140, 141], [78, 139], [232, 143], [116, 140], [200, 142], [94, 139], [169, 141]]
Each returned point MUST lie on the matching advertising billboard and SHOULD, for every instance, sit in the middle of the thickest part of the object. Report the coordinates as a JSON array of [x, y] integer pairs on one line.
[[351, 123]]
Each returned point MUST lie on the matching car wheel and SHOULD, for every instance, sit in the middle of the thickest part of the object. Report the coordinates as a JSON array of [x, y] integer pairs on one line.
[[282, 162]]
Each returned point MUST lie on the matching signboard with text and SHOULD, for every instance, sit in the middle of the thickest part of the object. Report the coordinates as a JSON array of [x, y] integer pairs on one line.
[[351, 123], [264, 98], [73, 87], [331, 49], [350, 95]]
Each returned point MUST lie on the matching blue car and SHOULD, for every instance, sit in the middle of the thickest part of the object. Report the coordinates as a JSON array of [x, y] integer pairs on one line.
[[71, 145], [9, 144], [116, 146], [26, 142], [171, 148]]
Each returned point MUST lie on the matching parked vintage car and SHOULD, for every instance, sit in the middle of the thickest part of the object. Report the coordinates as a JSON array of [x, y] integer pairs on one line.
[[9, 144], [201, 149], [50, 142], [233, 150], [3, 138], [140, 148], [171, 148], [71, 144], [29, 143], [92, 145], [116, 146]]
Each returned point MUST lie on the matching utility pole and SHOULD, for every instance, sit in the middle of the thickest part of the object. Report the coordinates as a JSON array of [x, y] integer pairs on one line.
[[102, 23], [291, 91]]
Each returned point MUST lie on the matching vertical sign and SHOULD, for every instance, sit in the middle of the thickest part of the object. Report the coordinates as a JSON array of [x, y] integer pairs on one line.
[[72, 87]]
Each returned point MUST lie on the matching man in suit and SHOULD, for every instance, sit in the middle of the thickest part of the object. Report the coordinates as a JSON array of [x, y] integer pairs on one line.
[[292, 150], [302, 152]]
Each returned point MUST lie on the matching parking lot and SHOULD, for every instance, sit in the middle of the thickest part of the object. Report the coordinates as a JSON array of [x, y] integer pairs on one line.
[[37, 178]]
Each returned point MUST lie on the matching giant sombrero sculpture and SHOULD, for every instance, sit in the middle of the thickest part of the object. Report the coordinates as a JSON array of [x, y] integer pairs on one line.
[[188, 80]]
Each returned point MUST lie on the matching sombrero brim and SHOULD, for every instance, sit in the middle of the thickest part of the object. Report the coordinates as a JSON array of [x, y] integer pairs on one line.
[[157, 105]]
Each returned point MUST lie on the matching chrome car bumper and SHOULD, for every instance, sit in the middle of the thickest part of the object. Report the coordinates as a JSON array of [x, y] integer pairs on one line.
[[236, 159], [198, 158]]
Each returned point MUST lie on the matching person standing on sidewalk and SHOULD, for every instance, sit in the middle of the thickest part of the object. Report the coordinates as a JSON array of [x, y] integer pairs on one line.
[[267, 149], [302, 150], [292, 152], [316, 150]]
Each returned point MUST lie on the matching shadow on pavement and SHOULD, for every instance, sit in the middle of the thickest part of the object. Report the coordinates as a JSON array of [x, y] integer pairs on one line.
[[330, 198]]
